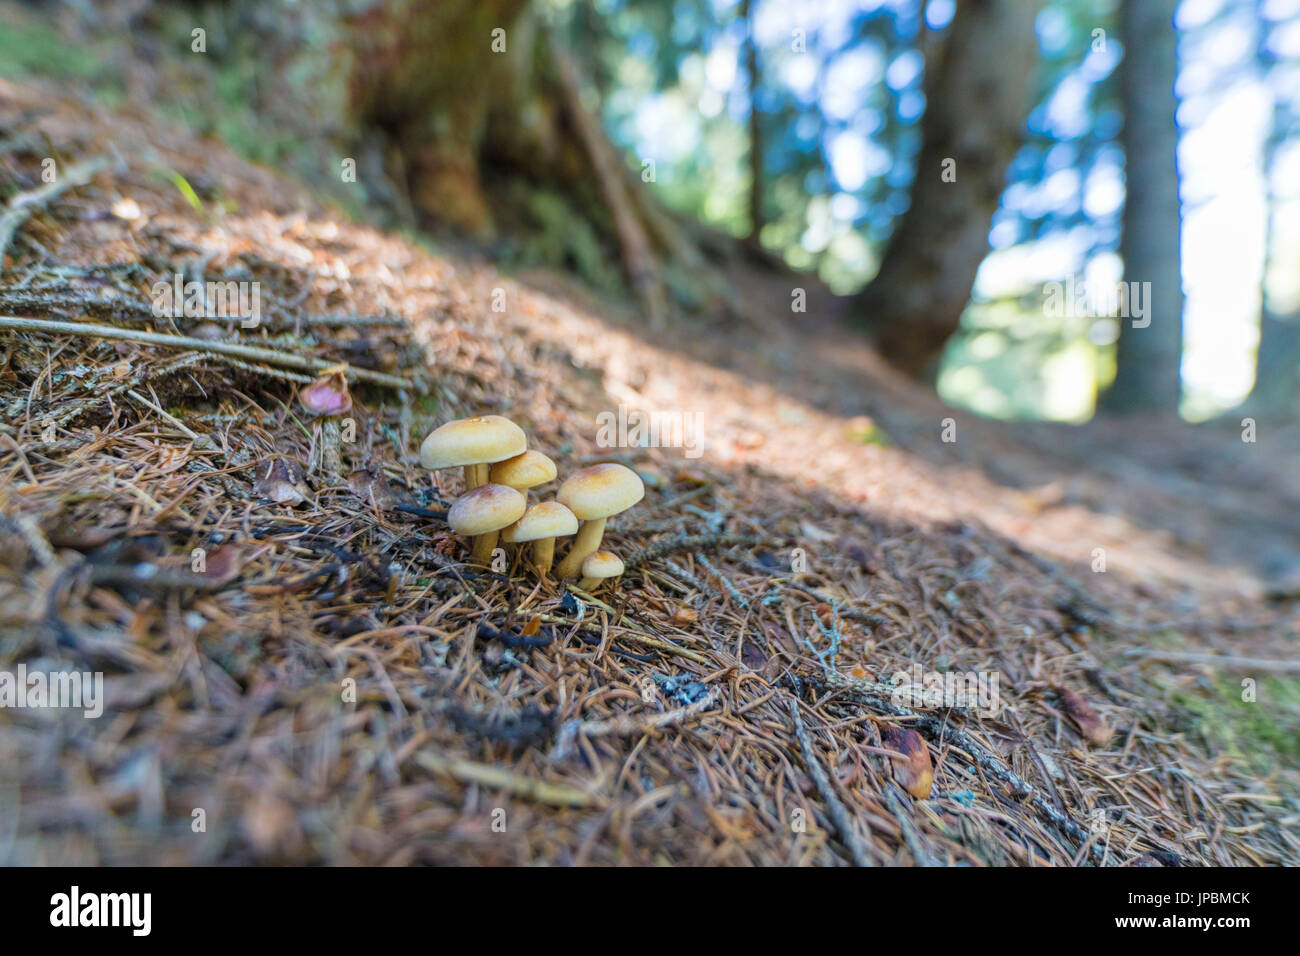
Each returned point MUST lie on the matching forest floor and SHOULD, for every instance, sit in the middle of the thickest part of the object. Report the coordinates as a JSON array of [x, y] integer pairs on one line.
[[335, 685]]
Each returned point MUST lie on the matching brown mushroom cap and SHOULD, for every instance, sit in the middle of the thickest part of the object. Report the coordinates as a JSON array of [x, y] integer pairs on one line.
[[549, 519], [523, 471], [601, 565], [485, 509], [472, 441], [601, 491]]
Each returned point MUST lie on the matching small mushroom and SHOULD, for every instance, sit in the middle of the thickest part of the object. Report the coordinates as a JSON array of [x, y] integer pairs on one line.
[[594, 494], [542, 524], [329, 394], [599, 566], [329, 399], [522, 472], [472, 443], [483, 511]]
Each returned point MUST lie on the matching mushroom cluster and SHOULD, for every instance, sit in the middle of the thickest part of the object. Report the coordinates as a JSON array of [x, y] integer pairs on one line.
[[499, 470]]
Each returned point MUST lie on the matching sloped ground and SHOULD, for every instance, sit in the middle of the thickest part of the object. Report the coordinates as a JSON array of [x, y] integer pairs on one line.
[[716, 707]]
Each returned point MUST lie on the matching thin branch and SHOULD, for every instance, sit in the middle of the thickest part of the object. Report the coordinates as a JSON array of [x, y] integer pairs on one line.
[[23, 204], [252, 353], [839, 813]]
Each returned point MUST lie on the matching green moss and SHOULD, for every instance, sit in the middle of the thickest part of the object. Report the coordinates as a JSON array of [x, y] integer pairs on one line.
[[867, 434], [1264, 732], [36, 48]]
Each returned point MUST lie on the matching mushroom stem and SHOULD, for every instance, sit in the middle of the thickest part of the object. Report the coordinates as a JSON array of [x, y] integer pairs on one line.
[[586, 584], [475, 475], [543, 554], [484, 545], [586, 543]]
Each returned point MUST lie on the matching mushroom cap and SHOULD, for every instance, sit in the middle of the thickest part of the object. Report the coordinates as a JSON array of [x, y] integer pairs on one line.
[[484, 509], [549, 519], [602, 564], [523, 471], [328, 395], [472, 441], [601, 491]]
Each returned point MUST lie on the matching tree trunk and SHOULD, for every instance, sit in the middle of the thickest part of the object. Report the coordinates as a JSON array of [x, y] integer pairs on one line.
[[1277, 365], [1149, 358], [977, 101], [756, 179], [425, 72], [474, 93], [1277, 369]]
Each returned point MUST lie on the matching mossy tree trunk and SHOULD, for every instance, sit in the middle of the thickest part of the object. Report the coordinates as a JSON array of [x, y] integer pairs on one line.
[[472, 94], [440, 79]]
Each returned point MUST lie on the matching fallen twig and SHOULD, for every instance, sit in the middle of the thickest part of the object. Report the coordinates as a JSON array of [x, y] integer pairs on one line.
[[251, 352], [628, 726], [22, 205], [467, 771], [685, 542], [839, 813]]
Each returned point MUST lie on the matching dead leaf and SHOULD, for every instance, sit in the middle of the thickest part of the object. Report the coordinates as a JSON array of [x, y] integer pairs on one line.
[[684, 615], [913, 771], [1090, 723], [372, 485], [279, 480], [222, 563]]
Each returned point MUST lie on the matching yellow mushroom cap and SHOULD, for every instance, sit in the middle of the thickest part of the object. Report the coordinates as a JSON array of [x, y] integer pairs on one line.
[[601, 491], [485, 509], [602, 564], [523, 471], [472, 441], [549, 519]]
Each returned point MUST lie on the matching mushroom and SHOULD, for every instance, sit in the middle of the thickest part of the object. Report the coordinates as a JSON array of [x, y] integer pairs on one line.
[[473, 443], [599, 566], [523, 471], [542, 524], [329, 399], [594, 494], [483, 511], [328, 395]]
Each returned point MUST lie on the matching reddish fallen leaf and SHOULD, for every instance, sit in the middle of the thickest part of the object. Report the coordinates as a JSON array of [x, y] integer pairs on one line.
[[913, 771], [222, 563], [1088, 720], [532, 627]]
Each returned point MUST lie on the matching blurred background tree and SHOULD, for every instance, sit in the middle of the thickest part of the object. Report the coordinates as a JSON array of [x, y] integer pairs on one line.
[[1149, 360]]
